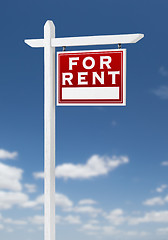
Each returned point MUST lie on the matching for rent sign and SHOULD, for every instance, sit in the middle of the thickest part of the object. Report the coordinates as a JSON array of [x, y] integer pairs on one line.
[[91, 77]]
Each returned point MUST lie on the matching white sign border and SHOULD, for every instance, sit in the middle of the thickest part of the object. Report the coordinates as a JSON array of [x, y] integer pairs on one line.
[[97, 104]]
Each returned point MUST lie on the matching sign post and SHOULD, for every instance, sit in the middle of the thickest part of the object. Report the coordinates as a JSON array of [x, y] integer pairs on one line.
[[49, 43], [49, 132]]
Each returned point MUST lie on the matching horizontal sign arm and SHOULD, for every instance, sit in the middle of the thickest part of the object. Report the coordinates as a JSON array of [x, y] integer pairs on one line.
[[86, 41], [96, 40], [35, 42]]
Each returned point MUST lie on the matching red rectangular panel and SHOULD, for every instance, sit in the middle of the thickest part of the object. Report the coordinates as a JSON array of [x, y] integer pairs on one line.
[[91, 77]]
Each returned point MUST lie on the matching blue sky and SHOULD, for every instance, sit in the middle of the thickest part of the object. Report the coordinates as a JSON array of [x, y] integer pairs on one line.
[[122, 191]]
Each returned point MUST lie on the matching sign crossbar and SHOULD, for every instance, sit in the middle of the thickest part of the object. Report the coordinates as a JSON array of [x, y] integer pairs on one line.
[[86, 41]]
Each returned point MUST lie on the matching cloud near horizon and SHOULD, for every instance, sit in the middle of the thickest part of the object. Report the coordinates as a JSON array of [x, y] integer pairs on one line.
[[9, 199], [4, 154], [156, 201], [161, 188], [95, 166], [61, 200], [10, 177]]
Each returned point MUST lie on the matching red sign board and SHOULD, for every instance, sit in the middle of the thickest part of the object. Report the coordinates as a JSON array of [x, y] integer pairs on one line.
[[91, 78]]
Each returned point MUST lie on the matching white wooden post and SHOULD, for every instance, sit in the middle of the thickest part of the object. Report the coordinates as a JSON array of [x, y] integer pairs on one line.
[[49, 132]]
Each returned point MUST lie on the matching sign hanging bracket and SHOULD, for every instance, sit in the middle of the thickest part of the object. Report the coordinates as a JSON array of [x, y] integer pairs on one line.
[[119, 46]]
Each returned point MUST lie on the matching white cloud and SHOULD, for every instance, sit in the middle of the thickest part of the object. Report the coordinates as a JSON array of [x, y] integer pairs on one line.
[[87, 202], [9, 199], [143, 233], [99, 230], [131, 233], [110, 230], [63, 201], [149, 217], [163, 71], [31, 188], [136, 233], [10, 177], [161, 188], [116, 216], [161, 92], [162, 231], [60, 200], [165, 163], [38, 175], [72, 219], [95, 166], [93, 221], [30, 204], [7, 155], [1, 226], [7, 222], [14, 222], [9, 230], [90, 227], [38, 220], [156, 201], [86, 210]]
